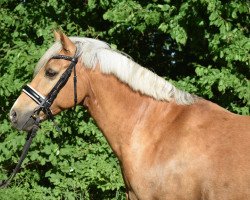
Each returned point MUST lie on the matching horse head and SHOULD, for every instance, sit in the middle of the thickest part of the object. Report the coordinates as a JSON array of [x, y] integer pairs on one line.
[[52, 89]]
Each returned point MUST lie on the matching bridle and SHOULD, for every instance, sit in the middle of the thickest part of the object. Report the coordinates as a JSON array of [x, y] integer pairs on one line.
[[44, 104]]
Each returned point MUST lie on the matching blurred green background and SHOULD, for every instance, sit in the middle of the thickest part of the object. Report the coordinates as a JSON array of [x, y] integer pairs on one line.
[[202, 46]]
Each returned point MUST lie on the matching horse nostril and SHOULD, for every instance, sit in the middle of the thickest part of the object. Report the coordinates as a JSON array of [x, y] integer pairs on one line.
[[13, 116]]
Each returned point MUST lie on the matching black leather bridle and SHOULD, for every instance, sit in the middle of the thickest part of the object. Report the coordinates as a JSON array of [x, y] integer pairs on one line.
[[44, 104]]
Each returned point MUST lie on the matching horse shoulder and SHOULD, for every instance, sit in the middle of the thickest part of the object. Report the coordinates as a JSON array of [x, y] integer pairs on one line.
[[176, 150]]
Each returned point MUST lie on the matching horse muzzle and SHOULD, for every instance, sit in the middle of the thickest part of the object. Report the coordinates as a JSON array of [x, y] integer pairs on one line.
[[22, 121]]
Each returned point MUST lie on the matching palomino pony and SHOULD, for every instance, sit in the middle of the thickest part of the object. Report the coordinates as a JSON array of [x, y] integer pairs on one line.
[[170, 144]]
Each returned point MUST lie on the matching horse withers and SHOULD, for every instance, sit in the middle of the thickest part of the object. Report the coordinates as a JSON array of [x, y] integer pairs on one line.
[[170, 144]]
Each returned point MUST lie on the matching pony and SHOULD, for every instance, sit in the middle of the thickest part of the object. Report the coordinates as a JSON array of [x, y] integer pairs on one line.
[[170, 144]]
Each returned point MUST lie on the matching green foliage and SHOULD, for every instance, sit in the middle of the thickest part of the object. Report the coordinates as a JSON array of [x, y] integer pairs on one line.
[[201, 45], [212, 38]]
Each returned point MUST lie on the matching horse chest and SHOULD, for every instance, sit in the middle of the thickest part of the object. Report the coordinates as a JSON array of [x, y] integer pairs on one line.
[[158, 177], [169, 179]]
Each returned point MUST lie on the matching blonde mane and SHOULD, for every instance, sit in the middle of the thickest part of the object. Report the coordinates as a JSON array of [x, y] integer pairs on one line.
[[92, 51]]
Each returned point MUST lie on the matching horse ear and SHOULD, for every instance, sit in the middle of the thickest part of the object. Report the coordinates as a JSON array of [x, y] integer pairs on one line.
[[67, 44], [57, 35]]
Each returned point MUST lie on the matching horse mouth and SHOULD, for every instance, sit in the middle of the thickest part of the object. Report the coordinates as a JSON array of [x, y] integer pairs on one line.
[[24, 122], [25, 126]]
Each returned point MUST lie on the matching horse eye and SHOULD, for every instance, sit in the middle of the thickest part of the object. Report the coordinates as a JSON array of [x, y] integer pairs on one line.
[[50, 73]]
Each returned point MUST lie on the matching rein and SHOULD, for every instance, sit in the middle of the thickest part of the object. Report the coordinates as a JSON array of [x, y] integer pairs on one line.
[[44, 104], [31, 135]]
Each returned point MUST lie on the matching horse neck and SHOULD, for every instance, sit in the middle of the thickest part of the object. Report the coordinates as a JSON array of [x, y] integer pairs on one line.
[[115, 107]]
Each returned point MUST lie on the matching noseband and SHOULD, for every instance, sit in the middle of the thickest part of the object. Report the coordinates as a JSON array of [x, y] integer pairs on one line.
[[44, 103]]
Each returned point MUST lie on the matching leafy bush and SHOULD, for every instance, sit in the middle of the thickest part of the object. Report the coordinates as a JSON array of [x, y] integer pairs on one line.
[[200, 45]]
